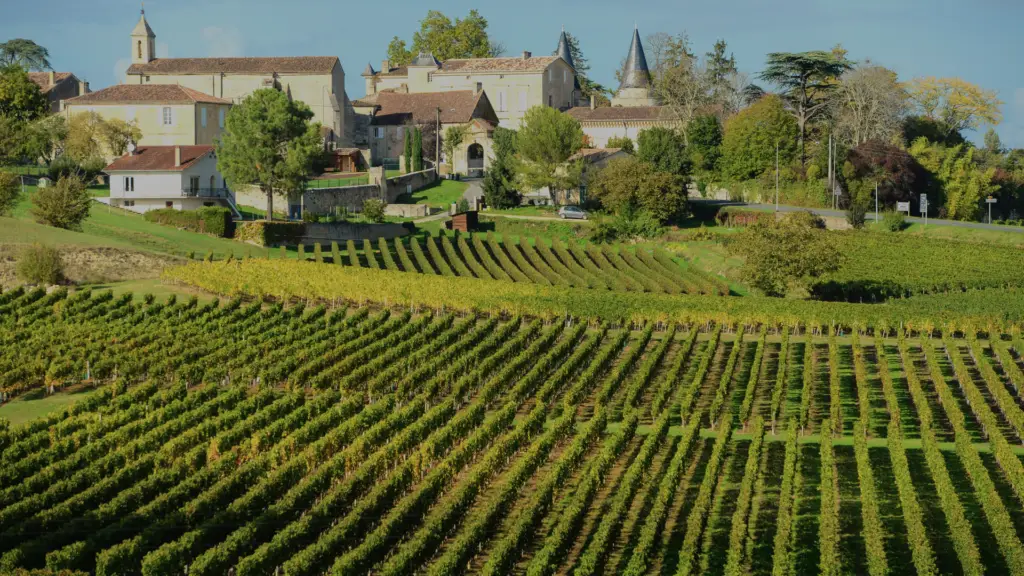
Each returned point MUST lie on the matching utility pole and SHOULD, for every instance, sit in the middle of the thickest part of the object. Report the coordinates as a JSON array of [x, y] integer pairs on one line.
[[831, 186], [437, 146], [776, 175], [876, 202]]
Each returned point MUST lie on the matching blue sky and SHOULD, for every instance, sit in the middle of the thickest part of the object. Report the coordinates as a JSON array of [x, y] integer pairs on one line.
[[977, 40]]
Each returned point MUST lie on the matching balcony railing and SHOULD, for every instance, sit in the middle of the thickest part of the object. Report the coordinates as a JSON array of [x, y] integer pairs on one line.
[[206, 193]]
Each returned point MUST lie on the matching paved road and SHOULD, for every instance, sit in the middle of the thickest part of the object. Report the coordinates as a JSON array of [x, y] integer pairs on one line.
[[871, 215]]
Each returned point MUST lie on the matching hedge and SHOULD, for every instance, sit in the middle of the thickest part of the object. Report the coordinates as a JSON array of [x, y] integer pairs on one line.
[[263, 233], [211, 220]]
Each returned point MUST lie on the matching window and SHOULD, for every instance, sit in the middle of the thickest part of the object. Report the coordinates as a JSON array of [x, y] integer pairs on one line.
[[129, 184], [551, 74], [193, 183], [479, 87], [129, 203], [220, 118], [202, 116], [168, 116], [522, 100], [565, 75], [378, 133], [501, 101], [139, 50], [551, 100], [168, 204]]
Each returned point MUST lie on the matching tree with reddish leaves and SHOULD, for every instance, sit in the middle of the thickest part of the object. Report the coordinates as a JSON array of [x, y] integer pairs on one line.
[[900, 177]]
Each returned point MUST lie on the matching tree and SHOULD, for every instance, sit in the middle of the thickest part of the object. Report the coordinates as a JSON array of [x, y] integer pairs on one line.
[[375, 209], [398, 54], [499, 181], [10, 190], [807, 80], [547, 139], [407, 155], [629, 184], [12, 139], [417, 150], [720, 68], [665, 150], [685, 89], [40, 264], [64, 205], [992, 142], [623, 142], [958, 182], [869, 104], [268, 141], [782, 255], [117, 134], [937, 131], [897, 173], [45, 138], [20, 98], [454, 136], [84, 139], [25, 54], [438, 35], [705, 141], [748, 149], [957, 104]]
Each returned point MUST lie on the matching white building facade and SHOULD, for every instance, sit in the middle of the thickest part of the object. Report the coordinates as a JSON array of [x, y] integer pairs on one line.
[[176, 177]]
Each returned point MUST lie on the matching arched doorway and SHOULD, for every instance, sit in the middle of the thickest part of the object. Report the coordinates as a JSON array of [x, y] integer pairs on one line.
[[475, 157]]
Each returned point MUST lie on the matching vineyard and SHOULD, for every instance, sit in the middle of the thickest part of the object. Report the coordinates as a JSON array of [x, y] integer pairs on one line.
[[599, 267], [262, 439]]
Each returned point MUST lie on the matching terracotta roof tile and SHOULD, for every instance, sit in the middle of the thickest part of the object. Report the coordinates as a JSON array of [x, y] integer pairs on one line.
[[158, 158], [42, 79], [146, 93], [281, 65], [457, 107], [531, 64], [622, 113]]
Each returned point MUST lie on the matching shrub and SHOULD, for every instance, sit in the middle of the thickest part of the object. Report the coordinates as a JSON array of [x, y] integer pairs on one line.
[[39, 264], [807, 219], [10, 189], [626, 225], [263, 233], [65, 166], [64, 205], [894, 221], [856, 215], [463, 205], [373, 209], [212, 220]]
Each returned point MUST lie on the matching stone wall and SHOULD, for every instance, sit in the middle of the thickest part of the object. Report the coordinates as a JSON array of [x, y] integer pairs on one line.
[[408, 210], [409, 183], [326, 200], [342, 232]]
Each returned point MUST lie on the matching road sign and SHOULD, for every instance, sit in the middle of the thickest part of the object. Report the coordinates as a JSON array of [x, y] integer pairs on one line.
[[990, 200], [903, 207]]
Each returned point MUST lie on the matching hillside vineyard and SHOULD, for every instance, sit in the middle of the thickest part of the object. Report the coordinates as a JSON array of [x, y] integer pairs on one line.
[[353, 440], [600, 267]]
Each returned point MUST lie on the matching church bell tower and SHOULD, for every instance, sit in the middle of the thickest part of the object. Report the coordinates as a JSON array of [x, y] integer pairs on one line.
[[143, 41]]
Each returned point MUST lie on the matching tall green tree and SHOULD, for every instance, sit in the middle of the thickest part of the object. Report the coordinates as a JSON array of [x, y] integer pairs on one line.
[[806, 81], [269, 141], [64, 205], [704, 135], [417, 150], [720, 68], [10, 190], [783, 255], [20, 98], [665, 150], [992, 142], [546, 141], [407, 155], [25, 54], [439, 35], [499, 183], [629, 184], [751, 136], [623, 142]]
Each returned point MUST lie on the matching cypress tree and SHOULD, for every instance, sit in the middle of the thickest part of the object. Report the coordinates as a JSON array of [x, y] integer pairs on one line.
[[417, 150], [408, 151]]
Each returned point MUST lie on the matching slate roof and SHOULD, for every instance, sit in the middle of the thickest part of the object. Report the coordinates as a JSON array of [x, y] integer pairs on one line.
[[457, 107], [146, 94], [42, 79], [280, 65], [468, 65], [425, 59], [621, 114], [591, 155], [636, 74], [158, 158]]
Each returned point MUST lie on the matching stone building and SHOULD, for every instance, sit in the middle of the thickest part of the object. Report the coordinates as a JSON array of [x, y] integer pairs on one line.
[[317, 81], [634, 106], [58, 86]]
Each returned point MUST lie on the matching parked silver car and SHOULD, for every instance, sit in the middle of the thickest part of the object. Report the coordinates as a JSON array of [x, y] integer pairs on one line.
[[572, 212]]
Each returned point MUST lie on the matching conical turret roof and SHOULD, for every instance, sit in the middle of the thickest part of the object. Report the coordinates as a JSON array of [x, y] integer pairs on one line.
[[369, 70], [636, 74], [142, 28], [565, 53]]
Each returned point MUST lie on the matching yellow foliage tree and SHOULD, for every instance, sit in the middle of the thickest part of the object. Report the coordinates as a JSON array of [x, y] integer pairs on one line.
[[956, 103]]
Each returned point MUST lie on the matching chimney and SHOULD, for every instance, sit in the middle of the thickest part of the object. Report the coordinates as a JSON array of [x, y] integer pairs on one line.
[[385, 66], [527, 55], [83, 87], [177, 156], [593, 102], [53, 78]]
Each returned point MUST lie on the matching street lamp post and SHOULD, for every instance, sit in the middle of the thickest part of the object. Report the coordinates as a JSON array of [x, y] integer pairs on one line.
[[776, 176]]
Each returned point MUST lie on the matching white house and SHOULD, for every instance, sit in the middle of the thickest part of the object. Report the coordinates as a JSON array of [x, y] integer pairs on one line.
[[179, 177]]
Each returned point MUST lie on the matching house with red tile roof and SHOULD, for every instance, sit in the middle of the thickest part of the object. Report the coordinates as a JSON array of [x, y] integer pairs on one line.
[[179, 177], [167, 115], [58, 86]]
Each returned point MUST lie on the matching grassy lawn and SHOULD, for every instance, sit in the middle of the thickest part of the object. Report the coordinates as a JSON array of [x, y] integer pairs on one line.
[[36, 405], [1009, 237], [115, 227], [541, 211], [441, 195]]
